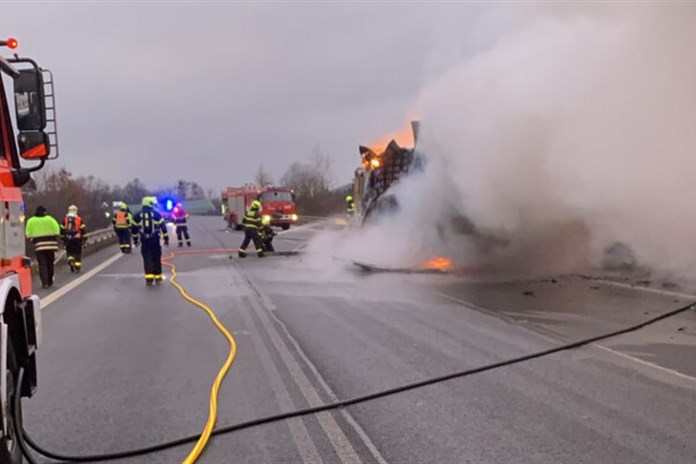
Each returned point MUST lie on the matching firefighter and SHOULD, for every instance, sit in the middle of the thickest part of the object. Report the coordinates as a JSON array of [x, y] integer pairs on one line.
[[252, 223], [148, 227], [350, 205], [74, 233], [43, 231], [267, 234], [123, 221], [181, 223]]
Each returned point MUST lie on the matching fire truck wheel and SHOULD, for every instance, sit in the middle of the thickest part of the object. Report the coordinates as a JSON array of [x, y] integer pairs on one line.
[[9, 448], [285, 226]]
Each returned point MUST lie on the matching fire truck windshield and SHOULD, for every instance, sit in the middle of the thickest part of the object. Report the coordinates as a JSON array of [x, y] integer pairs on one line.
[[276, 196]]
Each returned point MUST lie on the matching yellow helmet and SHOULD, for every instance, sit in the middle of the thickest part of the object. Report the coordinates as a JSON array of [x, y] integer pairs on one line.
[[149, 201], [256, 204], [123, 206], [349, 197]]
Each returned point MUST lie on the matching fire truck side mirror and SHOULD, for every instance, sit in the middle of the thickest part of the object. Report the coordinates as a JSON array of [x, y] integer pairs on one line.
[[34, 145], [30, 106]]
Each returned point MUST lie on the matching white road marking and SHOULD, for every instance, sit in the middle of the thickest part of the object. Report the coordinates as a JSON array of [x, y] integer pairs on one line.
[[646, 363], [345, 451], [349, 418], [263, 307], [642, 362], [73, 284], [300, 435], [647, 289]]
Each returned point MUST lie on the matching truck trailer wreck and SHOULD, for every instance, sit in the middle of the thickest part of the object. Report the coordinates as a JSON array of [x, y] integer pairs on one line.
[[374, 189], [379, 170]]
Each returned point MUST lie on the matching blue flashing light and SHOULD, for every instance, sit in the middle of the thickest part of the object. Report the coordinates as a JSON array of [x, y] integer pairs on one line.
[[168, 204]]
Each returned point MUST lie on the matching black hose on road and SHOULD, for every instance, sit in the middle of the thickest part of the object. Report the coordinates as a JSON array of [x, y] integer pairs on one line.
[[351, 401], [16, 417]]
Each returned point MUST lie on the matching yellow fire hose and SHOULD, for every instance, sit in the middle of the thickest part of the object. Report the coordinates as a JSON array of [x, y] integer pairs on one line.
[[212, 415]]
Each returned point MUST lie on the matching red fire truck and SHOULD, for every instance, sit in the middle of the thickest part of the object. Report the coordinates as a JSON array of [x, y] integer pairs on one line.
[[36, 142], [278, 204], [235, 201]]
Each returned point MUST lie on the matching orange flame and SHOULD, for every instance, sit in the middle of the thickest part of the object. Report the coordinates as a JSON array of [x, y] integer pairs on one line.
[[402, 136], [439, 262]]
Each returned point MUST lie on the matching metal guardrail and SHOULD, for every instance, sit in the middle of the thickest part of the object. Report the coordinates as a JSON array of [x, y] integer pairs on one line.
[[96, 240], [100, 235]]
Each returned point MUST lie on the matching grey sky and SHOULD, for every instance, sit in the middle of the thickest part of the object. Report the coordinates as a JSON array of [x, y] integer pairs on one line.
[[207, 91]]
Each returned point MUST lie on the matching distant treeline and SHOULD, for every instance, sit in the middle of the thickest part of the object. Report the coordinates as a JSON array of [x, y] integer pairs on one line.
[[56, 189]]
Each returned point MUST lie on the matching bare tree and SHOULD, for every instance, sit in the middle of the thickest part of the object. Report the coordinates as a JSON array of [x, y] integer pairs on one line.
[[185, 190], [133, 192], [263, 177], [57, 189], [323, 166], [312, 183]]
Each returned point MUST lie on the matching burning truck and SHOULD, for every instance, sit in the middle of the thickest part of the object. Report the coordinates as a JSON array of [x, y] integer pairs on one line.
[[395, 157], [390, 160], [383, 164]]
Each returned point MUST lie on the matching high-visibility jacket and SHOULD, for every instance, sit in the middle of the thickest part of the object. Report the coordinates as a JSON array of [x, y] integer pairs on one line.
[[252, 219], [149, 223], [74, 227], [123, 220], [43, 231], [181, 218], [350, 209]]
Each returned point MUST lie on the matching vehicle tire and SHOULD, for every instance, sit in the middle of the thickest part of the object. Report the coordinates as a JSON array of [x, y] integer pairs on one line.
[[285, 226], [9, 448]]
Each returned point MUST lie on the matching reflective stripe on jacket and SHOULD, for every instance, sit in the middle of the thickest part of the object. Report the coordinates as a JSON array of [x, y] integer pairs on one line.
[[73, 227], [43, 231], [149, 223], [123, 220], [181, 218], [252, 219]]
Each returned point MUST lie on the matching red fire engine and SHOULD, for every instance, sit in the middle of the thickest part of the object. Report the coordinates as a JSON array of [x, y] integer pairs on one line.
[[20, 323], [235, 201], [278, 204]]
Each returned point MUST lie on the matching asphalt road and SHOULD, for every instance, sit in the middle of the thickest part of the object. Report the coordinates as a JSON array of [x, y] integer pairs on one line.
[[124, 366]]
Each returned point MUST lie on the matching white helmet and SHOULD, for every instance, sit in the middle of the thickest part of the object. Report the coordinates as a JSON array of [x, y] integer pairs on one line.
[[72, 210]]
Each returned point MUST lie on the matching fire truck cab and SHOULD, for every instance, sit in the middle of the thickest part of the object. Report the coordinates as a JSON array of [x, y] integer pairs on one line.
[[35, 141], [278, 205]]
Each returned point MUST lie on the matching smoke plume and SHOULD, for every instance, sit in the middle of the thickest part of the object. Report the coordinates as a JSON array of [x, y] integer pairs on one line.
[[572, 133]]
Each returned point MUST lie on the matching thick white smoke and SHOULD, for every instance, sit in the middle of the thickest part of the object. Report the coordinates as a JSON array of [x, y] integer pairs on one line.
[[573, 133]]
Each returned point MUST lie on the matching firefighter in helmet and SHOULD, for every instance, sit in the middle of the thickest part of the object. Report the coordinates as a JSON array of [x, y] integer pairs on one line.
[[266, 232], [350, 205], [180, 216], [148, 228], [74, 232], [43, 231], [123, 221], [252, 224]]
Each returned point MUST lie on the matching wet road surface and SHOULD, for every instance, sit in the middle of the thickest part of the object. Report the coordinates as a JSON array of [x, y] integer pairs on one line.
[[124, 366]]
